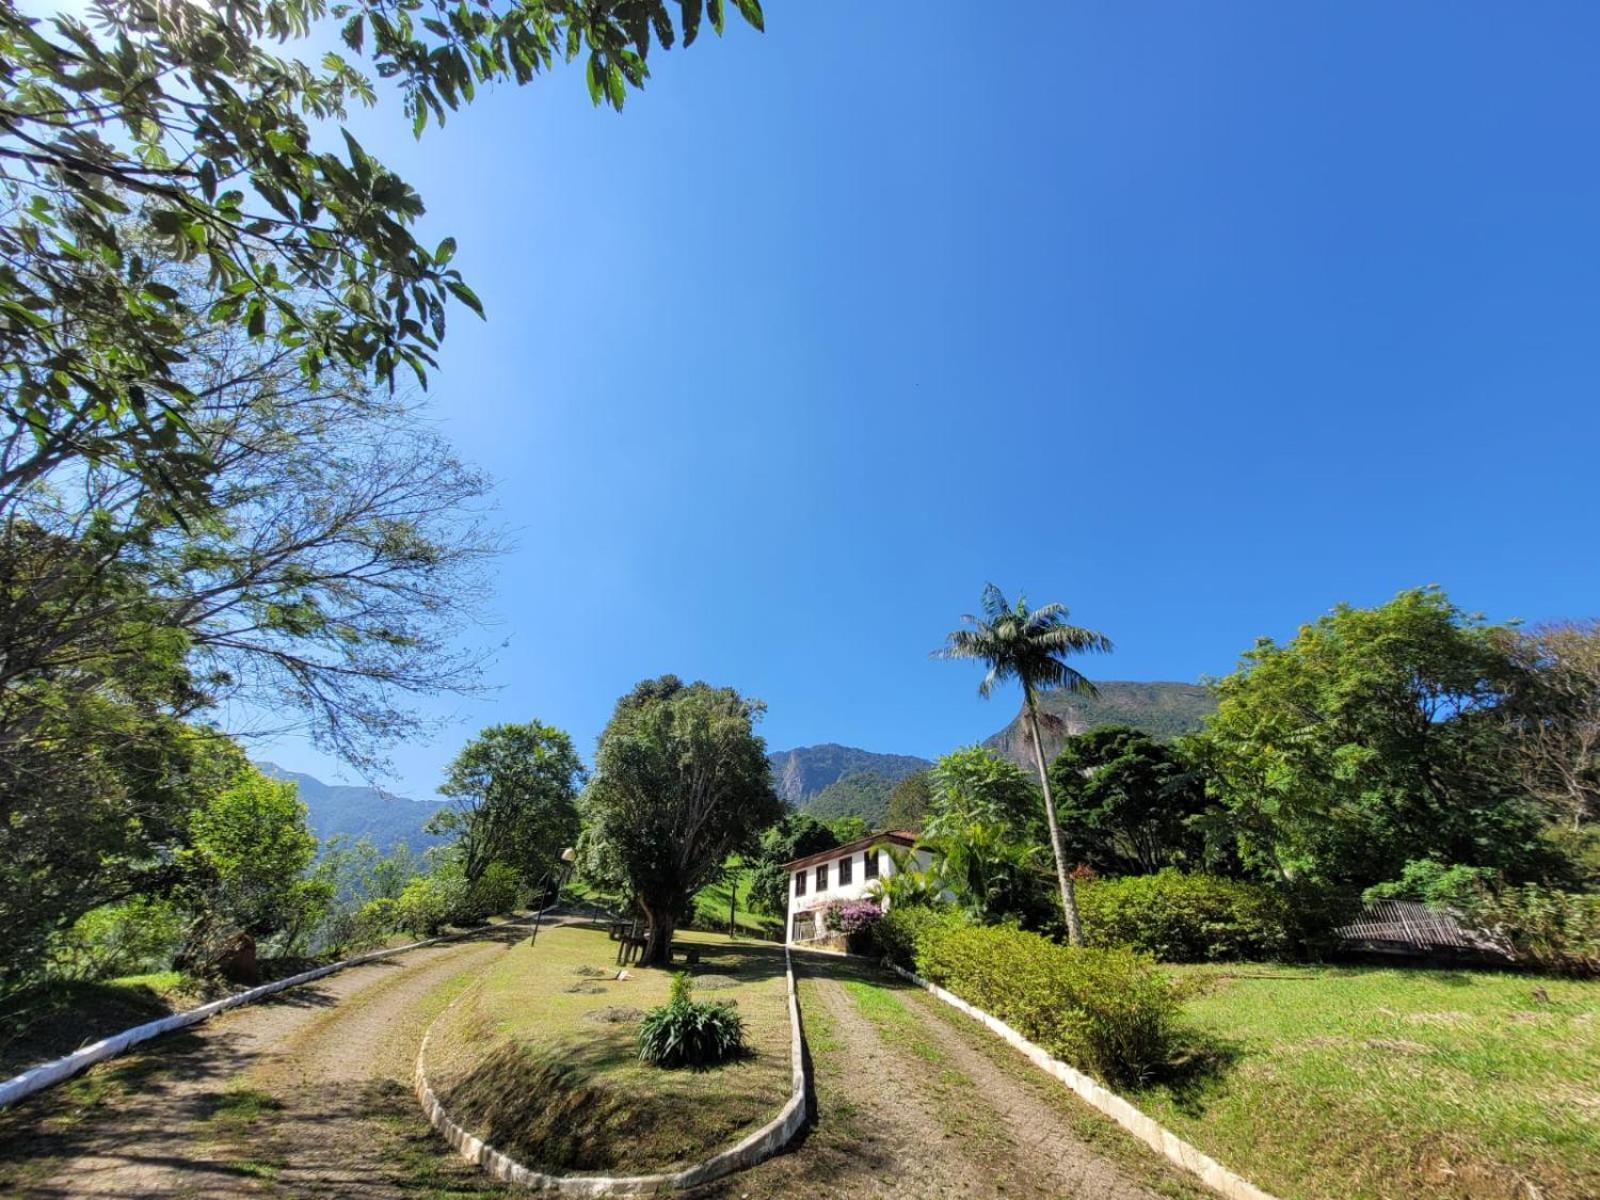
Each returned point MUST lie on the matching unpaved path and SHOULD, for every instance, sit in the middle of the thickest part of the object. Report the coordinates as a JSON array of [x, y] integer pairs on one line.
[[912, 1105], [309, 1095], [304, 1094]]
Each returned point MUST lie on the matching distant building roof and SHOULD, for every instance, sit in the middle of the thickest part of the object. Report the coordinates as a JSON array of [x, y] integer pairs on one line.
[[896, 837]]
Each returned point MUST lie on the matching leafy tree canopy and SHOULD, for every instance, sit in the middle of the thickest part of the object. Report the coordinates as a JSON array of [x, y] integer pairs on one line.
[[514, 793], [176, 129], [795, 836], [1127, 802], [1367, 741], [909, 802], [974, 785], [681, 781]]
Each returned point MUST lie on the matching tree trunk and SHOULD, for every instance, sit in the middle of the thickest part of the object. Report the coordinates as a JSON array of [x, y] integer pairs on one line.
[[658, 937], [1069, 901], [733, 902]]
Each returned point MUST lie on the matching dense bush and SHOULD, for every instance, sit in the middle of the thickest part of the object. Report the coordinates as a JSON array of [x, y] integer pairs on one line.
[[1109, 1012], [897, 936], [685, 1033], [851, 917], [130, 938], [423, 907], [1185, 918], [1555, 931]]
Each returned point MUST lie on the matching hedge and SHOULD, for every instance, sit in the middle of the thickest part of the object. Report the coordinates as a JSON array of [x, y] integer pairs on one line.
[[1186, 918], [1108, 1012]]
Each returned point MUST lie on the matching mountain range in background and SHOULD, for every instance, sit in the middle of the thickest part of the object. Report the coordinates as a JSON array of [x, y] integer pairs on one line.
[[361, 812], [832, 781], [827, 781]]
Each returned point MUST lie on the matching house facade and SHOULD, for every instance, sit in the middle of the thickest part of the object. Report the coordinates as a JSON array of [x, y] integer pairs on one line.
[[842, 874]]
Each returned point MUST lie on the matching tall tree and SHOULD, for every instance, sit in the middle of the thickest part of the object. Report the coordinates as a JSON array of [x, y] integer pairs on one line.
[[1031, 647], [1369, 740], [513, 792], [976, 785], [1127, 802], [1553, 714], [681, 781]]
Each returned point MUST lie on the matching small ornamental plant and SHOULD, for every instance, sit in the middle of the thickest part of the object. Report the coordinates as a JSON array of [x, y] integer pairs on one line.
[[688, 1033]]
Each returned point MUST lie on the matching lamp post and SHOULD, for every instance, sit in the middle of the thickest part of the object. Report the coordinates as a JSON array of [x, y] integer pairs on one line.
[[568, 856]]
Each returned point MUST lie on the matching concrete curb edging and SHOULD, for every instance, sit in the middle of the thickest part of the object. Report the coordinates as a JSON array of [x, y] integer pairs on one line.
[[762, 1144], [36, 1079], [1153, 1134]]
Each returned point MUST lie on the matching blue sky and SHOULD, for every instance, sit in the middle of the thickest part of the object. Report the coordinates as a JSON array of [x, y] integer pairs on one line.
[[1197, 318]]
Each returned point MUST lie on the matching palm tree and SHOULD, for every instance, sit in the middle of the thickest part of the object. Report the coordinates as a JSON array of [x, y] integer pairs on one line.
[[1030, 646]]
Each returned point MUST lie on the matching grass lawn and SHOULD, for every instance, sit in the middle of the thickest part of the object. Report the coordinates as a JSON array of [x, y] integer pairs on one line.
[[1348, 1082], [57, 1020], [711, 905], [539, 1058]]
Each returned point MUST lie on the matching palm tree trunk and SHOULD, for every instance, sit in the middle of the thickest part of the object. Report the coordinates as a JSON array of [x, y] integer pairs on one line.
[[1069, 901]]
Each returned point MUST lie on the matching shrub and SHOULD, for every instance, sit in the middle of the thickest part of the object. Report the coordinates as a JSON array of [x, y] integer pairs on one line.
[[1434, 883], [129, 938], [1109, 1012], [851, 917], [1185, 918], [897, 936], [423, 906], [686, 1033], [495, 892], [1555, 931]]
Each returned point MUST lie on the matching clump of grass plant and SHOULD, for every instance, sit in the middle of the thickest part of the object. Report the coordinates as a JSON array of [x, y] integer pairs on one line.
[[685, 1032]]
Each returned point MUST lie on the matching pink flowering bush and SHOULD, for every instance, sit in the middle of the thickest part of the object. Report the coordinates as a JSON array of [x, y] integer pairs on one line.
[[851, 917]]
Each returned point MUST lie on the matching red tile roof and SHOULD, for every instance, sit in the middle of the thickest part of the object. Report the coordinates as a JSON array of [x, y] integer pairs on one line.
[[899, 837]]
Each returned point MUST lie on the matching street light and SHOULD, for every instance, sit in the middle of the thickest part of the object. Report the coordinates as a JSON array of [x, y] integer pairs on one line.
[[568, 857]]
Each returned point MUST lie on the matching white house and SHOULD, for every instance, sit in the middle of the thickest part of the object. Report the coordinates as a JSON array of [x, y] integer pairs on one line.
[[844, 873]]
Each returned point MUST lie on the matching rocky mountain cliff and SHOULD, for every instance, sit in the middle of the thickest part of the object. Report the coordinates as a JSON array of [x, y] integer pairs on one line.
[[801, 773], [358, 812], [1163, 710]]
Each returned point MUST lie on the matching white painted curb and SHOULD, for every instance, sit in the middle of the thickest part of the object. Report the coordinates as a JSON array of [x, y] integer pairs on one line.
[[762, 1144], [1159, 1138], [36, 1079]]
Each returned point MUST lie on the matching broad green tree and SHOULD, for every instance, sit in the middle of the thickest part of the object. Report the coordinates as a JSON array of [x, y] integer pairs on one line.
[[1368, 740], [1128, 803], [974, 785], [513, 793], [681, 782], [250, 851], [1031, 647]]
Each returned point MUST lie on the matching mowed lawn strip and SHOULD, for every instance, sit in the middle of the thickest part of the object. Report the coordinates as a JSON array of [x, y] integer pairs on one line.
[[539, 1058], [1355, 1082]]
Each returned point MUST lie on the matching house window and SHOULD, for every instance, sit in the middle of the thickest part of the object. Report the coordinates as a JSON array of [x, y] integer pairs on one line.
[[869, 865], [799, 883], [845, 865], [822, 877]]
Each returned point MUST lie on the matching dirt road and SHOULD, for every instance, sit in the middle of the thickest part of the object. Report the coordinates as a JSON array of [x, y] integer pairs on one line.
[[305, 1094], [309, 1095]]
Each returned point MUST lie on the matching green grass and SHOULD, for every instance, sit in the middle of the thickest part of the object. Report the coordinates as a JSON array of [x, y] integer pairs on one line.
[[1365, 1082], [55, 1020], [524, 1062], [711, 905]]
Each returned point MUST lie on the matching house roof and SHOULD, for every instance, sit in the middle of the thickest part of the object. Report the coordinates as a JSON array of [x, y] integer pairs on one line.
[[895, 837]]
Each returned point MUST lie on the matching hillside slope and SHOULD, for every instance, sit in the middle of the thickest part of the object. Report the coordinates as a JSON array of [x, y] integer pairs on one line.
[[1163, 710], [801, 773], [358, 812]]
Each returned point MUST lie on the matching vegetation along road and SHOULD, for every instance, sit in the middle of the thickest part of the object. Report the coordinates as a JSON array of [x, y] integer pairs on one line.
[[308, 1095]]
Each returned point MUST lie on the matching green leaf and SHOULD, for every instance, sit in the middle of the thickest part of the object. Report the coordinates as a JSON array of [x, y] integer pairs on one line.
[[466, 295], [445, 252], [750, 10], [592, 76], [714, 10]]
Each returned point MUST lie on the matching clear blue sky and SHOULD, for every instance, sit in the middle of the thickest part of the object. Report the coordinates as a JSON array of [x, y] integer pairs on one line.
[[1197, 318]]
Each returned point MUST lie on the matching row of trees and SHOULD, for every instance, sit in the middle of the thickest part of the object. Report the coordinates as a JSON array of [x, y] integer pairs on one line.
[[1379, 751], [216, 508]]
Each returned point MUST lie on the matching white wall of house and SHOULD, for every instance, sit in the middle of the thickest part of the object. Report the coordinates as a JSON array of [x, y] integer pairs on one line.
[[832, 890]]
